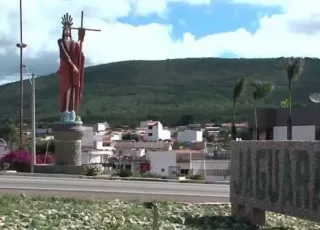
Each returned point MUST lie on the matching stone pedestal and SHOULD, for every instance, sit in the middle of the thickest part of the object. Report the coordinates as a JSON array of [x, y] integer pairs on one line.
[[67, 137]]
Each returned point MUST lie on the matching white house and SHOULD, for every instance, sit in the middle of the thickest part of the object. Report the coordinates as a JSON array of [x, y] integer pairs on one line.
[[187, 162], [189, 136], [155, 130], [163, 163]]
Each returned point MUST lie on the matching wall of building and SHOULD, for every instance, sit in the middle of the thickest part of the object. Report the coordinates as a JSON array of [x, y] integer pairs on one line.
[[161, 161], [303, 133], [165, 134], [154, 132], [85, 158], [275, 176], [190, 135], [131, 152], [215, 170]]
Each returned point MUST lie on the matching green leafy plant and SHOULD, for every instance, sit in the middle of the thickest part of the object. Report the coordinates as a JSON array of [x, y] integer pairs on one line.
[[36, 212], [294, 71], [150, 175], [93, 169], [237, 91], [196, 177], [260, 91], [155, 214], [125, 173], [4, 166], [285, 103]]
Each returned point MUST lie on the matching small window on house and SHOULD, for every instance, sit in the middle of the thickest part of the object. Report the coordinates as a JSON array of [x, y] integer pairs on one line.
[[149, 127], [150, 134], [162, 170], [106, 144]]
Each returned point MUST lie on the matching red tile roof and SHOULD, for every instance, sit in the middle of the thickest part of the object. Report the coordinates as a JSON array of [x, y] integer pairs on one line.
[[187, 151], [152, 123]]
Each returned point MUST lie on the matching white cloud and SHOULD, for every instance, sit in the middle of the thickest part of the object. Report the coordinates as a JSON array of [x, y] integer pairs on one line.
[[284, 34]]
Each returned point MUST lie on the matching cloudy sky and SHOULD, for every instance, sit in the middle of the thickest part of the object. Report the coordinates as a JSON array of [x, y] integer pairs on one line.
[[159, 29]]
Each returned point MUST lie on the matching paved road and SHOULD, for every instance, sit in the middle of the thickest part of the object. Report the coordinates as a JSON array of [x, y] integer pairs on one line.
[[108, 189]]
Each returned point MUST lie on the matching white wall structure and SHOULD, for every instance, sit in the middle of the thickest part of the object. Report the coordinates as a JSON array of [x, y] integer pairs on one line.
[[190, 135], [165, 134], [215, 170], [92, 158], [301, 133], [116, 136], [155, 131], [100, 127], [96, 148], [161, 161]]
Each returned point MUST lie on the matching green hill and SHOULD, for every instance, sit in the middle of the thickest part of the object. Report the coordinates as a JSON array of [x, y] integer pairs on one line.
[[169, 90]]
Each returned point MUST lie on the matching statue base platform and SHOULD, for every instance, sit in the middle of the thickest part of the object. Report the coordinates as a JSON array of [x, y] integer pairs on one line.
[[67, 138]]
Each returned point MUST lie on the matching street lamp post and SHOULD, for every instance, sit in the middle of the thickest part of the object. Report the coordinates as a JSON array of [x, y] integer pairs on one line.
[[21, 46], [33, 118]]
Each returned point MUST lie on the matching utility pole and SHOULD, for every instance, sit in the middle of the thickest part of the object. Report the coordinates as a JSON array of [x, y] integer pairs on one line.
[[204, 165], [191, 164], [33, 115], [33, 118], [21, 46]]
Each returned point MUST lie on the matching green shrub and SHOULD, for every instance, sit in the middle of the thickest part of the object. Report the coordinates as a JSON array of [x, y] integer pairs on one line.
[[4, 166], [93, 169], [125, 173], [196, 177], [150, 175]]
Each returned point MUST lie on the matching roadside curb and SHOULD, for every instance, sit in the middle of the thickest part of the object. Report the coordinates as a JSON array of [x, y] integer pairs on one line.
[[12, 173]]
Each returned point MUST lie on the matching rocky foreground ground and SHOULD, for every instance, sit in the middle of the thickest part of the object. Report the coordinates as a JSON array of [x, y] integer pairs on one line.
[[54, 213]]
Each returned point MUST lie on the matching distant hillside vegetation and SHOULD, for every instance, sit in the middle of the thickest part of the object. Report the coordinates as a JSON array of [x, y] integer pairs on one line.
[[173, 91]]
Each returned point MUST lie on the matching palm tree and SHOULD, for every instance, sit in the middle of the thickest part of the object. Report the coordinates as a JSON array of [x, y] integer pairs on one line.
[[237, 91], [294, 71], [260, 91], [285, 103]]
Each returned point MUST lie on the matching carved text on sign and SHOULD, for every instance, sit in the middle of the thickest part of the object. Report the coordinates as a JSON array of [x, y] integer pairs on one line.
[[289, 177]]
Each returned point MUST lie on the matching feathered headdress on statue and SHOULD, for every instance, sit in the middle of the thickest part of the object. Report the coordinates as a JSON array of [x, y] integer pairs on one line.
[[67, 20]]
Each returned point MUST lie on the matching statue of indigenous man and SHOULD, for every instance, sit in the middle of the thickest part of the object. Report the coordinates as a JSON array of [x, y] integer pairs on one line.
[[71, 71]]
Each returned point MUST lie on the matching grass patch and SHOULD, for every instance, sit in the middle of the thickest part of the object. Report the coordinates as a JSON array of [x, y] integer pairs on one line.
[[53, 213]]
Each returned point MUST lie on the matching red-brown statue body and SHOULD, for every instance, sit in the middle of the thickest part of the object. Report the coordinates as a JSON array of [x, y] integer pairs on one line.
[[71, 71], [69, 79]]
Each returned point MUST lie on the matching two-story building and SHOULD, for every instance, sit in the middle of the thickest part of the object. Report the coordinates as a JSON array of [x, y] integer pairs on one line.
[[155, 131], [189, 162], [131, 155]]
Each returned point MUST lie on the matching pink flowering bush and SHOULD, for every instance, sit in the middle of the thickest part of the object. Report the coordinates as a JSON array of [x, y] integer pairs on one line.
[[20, 160], [41, 159]]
